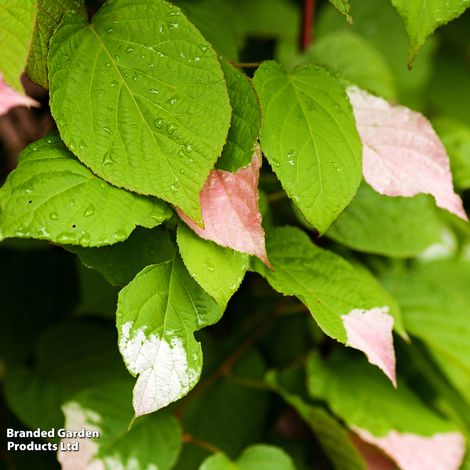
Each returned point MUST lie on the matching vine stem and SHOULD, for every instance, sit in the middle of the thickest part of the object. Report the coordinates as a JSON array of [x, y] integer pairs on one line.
[[308, 15], [200, 443]]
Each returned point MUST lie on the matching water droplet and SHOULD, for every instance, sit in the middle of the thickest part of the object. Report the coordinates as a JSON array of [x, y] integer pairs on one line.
[[153, 91], [110, 30], [182, 171], [161, 54], [65, 237], [209, 266], [274, 162], [197, 59], [89, 211], [173, 25], [291, 158], [108, 65], [49, 140], [108, 130], [28, 191], [72, 147], [53, 216], [120, 235], [129, 50], [116, 56], [72, 202], [204, 48], [174, 187], [84, 239], [158, 123], [172, 101], [171, 129], [114, 83]]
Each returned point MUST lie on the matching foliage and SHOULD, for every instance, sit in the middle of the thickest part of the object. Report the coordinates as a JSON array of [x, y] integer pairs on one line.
[[272, 241]]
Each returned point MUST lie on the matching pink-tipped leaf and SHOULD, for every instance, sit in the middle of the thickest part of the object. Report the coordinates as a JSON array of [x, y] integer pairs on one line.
[[441, 451], [370, 331], [402, 154], [230, 211], [10, 98]]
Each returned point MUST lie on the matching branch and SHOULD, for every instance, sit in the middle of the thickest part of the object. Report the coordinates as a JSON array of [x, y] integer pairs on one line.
[[308, 14]]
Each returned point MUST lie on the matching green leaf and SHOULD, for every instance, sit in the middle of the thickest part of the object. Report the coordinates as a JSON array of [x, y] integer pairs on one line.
[[52, 196], [119, 263], [423, 17], [391, 226], [17, 19], [157, 315], [356, 59], [218, 270], [436, 308], [149, 89], [379, 24], [371, 402], [309, 136], [327, 284], [455, 136], [49, 16], [268, 18], [333, 437], [257, 457], [344, 8], [154, 442], [246, 121], [210, 17], [70, 357]]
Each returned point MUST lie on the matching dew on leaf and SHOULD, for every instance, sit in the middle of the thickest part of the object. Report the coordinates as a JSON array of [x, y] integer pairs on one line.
[[203, 48], [153, 91], [108, 130], [158, 123], [209, 266], [129, 50], [275, 162], [89, 211], [174, 187], [172, 100], [53, 216], [119, 235], [171, 128]]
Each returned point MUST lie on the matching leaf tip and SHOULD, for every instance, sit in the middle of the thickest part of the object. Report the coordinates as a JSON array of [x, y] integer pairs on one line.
[[370, 331]]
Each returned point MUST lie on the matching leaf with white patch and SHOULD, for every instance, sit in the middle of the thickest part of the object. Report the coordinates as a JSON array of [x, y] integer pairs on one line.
[[230, 211], [139, 96], [423, 17], [309, 137], [52, 196], [402, 154], [151, 443], [394, 420], [157, 315], [218, 270], [259, 457], [346, 303]]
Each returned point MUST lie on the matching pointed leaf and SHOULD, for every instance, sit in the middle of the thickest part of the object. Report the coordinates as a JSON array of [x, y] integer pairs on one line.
[[218, 270], [49, 15], [395, 420], [157, 315], [151, 443], [423, 17], [402, 155], [246, 121], [230, 210], [10, 98], [392, 226], [310, 139], [52, 196], [17, 19], [150, 91], [344, 7], [259, 457], [119, 263], [342, 299]]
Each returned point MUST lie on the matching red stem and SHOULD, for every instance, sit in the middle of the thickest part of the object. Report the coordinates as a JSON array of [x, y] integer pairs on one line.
[[308, 15]]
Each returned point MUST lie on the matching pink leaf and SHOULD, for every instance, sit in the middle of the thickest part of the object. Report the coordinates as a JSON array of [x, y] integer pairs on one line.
[[402, 155], [10, 98], [374, 458], [441, 451], [230, 212], [370, 331]]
